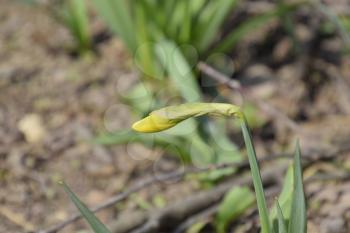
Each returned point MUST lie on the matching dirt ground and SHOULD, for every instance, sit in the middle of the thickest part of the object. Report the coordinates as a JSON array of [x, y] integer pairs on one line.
[[69, 100]]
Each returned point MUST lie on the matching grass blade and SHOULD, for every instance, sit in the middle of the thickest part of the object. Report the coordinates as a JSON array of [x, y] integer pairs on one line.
[[297, 223], [281, 223], [94, 222], [257, 182]]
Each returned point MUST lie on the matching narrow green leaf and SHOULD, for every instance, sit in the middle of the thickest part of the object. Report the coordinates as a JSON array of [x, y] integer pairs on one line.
[[179, 71], [223, 7], [156, 10], [257, 182], [118, 17], [75, 17], [297, 223], [281, 222], [185, 29], [197, 6], [235, 202], [94, 222], [145, 52], [284, 199], [167, 24]]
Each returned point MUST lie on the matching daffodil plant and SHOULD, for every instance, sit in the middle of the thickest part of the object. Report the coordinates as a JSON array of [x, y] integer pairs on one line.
[[168, 117], [289, 213]]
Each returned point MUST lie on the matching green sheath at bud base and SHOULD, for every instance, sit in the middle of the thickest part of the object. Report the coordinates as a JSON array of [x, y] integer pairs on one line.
[[168, 117]]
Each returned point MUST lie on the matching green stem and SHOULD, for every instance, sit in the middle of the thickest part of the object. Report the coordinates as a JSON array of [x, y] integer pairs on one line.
[[257, 181]]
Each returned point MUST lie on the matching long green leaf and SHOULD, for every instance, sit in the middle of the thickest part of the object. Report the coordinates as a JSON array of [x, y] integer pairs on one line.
[[94, 222], [284, 199], [257, 182], [75, 17], [145, 51], [211, 27], [176, 20], [118, 17], [185, 29], [281, 222], [297, 223], [179, 71]]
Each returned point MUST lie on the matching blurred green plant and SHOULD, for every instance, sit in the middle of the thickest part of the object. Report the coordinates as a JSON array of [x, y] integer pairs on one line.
[[74, 15], [194, 142], [235, 202], [167, 38]]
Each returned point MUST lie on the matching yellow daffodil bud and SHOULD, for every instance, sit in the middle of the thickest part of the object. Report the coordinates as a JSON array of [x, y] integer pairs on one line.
[[168, 117]]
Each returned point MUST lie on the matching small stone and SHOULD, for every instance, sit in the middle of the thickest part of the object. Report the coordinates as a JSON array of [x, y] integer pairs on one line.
[[32, 127]]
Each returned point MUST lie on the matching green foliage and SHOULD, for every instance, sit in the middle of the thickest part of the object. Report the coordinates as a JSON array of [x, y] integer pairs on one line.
[[179, 71], [183, 22], [235, 202], [292, 196], [281, 222], [94, 222], [74, 15], [116, 14], [297, 221], [167, 38], [284, 200], [143, 24], [257, 182]]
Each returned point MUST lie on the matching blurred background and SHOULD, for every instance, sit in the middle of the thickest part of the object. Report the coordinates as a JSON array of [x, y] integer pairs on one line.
[[75, 74]]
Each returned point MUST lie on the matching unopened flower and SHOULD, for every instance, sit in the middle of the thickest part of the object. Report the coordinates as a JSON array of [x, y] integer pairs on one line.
[[168, 117]]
